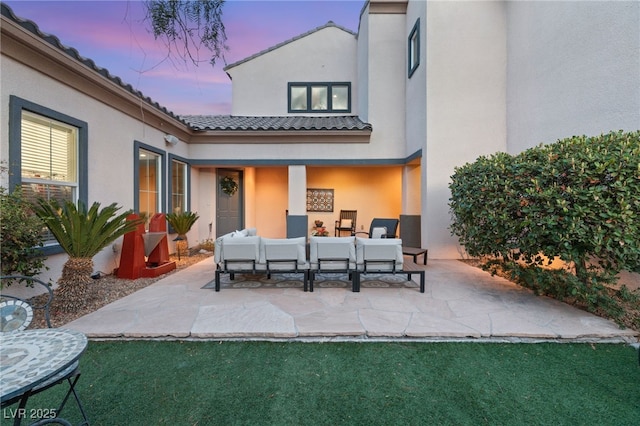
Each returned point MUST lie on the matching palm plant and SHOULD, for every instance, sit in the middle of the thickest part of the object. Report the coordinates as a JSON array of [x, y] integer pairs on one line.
[[82, 234], [181, 223]]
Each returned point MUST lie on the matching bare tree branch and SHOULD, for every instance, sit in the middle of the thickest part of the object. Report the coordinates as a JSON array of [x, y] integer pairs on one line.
[[188, 26]]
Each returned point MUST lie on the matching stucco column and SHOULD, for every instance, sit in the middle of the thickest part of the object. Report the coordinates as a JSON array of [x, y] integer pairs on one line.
[[297, 190]]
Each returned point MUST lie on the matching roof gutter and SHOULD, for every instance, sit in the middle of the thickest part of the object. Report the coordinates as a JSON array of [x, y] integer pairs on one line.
[[280, 136]]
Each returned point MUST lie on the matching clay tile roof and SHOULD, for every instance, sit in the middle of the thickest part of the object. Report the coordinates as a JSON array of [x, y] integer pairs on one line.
[[243, 123]]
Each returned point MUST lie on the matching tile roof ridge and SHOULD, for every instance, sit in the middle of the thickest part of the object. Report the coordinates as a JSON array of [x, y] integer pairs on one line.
[[329, 24]]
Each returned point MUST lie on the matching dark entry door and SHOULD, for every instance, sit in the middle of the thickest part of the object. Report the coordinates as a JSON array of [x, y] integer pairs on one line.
[[230, 207]]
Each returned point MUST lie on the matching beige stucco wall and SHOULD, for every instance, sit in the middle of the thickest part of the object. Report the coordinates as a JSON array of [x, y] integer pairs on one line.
[[260, 85], [362, 65], [271, 201], [416, 85], [386, 82], [203, 201], [110, 143], [466, 103], [574, 69], [372, 191]]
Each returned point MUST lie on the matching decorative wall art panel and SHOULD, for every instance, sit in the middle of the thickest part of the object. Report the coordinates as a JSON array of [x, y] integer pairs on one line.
[[319, 200]]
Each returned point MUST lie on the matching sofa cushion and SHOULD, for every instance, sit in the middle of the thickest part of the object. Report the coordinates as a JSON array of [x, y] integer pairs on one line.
[[379, 250], [346, 223], [283, 249], [243, 233], [332, 248], [234, 248]]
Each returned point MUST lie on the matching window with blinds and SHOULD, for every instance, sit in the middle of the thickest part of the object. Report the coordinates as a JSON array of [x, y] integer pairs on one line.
[[49, 160]]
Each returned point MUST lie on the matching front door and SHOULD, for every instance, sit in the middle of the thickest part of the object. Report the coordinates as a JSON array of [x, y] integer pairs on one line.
[[230, 211]]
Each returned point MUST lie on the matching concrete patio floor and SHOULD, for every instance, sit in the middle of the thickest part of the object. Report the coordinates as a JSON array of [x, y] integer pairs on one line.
[[460, 303]]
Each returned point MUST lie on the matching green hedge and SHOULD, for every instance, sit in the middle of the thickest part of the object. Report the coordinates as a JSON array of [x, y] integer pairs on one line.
[[577, 200]]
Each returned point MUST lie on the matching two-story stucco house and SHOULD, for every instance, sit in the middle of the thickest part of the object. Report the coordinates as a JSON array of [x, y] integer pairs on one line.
[[381, 117]]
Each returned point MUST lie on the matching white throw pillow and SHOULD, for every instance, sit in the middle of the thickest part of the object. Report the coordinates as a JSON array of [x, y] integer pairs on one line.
[[378, 232]]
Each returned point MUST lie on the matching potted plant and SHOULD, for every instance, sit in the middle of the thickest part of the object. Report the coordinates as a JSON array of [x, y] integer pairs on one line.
[[181, 223]]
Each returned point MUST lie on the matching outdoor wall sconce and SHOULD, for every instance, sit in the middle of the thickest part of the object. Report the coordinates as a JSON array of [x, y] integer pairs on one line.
[[171, 140]]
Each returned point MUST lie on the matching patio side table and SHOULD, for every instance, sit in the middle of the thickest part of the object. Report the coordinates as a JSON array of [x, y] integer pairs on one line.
[[415, 252]]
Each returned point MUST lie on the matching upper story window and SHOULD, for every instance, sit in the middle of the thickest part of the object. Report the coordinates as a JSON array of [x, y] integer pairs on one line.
[[414, 48], [320, 97], [47, 156]]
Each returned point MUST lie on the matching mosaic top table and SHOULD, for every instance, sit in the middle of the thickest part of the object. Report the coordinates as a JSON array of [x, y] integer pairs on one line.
[[29, 358]]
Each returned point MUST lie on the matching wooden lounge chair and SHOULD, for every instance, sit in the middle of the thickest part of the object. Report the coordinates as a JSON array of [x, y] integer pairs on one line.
[[346, 222]]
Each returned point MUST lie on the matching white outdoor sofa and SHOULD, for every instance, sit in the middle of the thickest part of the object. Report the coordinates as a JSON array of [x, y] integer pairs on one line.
[[246, 253]]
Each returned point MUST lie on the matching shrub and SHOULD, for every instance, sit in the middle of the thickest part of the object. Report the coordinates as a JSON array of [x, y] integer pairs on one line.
[[208, 244], [182, 222], [577, 200], [21, 233], [82, 233]]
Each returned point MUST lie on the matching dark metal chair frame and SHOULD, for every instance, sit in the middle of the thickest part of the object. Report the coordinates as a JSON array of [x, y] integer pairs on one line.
[[232, 272], [319, 271], [409, 271], [346, 214], [71, 375], [389, 223]]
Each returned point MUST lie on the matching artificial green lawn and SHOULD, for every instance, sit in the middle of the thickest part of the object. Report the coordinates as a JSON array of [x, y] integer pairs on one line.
[[269, 383]]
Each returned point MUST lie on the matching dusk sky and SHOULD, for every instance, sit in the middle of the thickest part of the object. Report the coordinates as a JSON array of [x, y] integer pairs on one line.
[[114, 36]]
